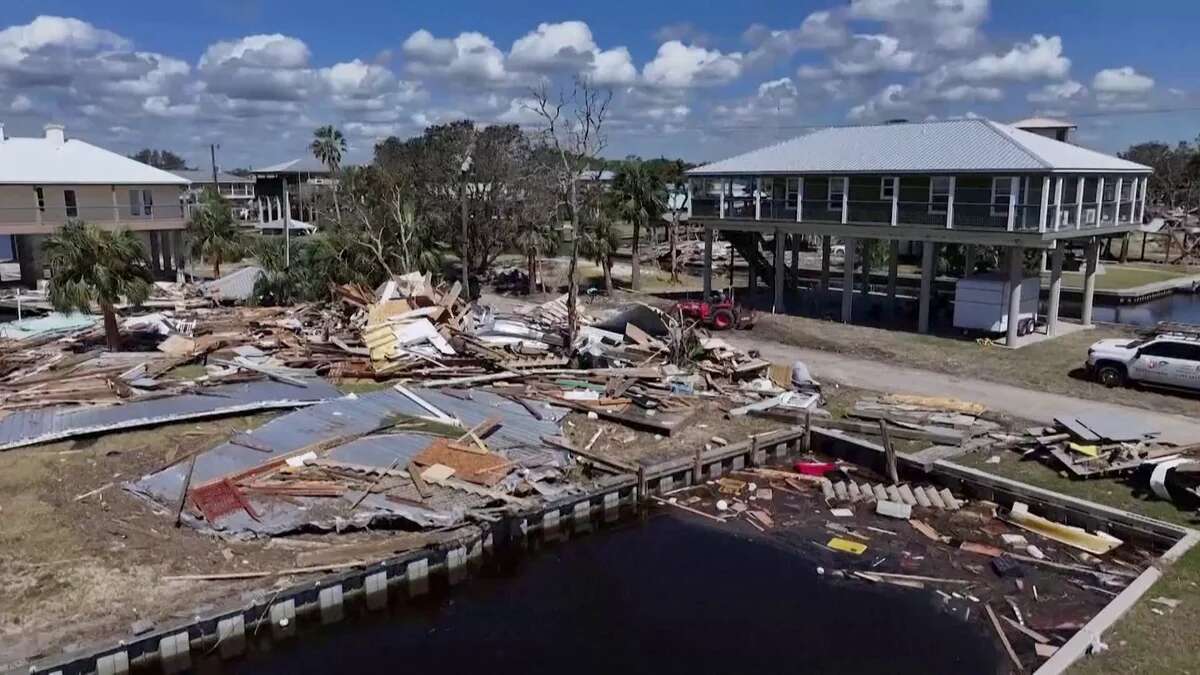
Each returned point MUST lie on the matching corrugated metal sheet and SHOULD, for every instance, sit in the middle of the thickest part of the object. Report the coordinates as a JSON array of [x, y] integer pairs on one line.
[[28, 427], [237, 285], [54, 322], [519, 437], [947, 146]]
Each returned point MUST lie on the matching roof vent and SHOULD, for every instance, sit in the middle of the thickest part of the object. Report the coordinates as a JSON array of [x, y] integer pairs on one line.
[[1, 131], [898, 120], [56, 133]]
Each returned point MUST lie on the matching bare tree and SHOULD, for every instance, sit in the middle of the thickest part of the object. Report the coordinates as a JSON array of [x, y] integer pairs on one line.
[[573, 127]]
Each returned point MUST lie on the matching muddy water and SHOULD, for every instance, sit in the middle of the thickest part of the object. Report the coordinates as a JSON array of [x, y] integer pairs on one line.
[[664, 596]]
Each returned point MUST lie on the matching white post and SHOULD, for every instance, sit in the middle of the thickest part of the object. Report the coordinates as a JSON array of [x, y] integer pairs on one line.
[[758, 198], [1079, 182], [950, 202], [928, 260], [1117, 199], [1045, 204], [1058, 196], [799, 197], [708, 261], [779, 270], [1056, 268], [1024, 201], [845, 199], [1012, 202], [1142, 199], [895, 200], [688, 183], [1099, 201], [721, 203], [1089, 279], [1016, 274]]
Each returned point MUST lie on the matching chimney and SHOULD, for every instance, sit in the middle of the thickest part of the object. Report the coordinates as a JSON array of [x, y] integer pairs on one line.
[[1, 131], [56, 133]]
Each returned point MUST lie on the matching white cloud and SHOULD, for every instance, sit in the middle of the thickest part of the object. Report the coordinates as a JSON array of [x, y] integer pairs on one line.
[[45, 35], [161, 106], [355, 78], [613, 66], [470, 58], [1039, 58], [258, 51], [946, 24], [819, 30], [259, 68], [891, 99], [1124, 80], [681, 66], [869, 54], [1057, 92], [570, 47], [20, 103], [966, 92]]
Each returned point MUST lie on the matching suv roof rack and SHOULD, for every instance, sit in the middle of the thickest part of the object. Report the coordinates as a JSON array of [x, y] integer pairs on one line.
[[1175, 329]]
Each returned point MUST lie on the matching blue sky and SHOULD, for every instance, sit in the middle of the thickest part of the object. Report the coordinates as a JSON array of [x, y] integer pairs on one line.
[[700, 80]]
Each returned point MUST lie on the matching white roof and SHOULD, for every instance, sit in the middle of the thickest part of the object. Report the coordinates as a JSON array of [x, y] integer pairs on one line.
[[952, 146], [299, 165], [195, 176], [48, 161], [292, 223], [1042, 123]]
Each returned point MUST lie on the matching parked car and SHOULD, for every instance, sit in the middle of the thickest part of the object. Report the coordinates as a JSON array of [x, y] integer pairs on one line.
[[1165, 359]]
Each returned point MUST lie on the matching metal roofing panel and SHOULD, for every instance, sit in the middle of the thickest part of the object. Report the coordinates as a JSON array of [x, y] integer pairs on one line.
[[237, 285], [972, 145], [46, 161], [41, 425]]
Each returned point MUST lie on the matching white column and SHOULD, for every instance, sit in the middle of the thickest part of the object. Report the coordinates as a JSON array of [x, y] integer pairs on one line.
[[707, 271], [115, 207], [1024, 201], [1012, 202], [1045, 206], [1117, 199], [779, 270], [1089, 279], [799, 198], [1142, 199], [1079, 183], [848, 279], [1099, 200], [721, 202], [845, 199], [950, 202], [758, 198], [1056, 267], [928, 257], [1058, 196], [688, 183], [1016, 273], [895, 200]]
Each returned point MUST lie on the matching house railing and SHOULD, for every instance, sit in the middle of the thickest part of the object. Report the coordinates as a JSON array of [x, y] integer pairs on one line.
[[98, 214]]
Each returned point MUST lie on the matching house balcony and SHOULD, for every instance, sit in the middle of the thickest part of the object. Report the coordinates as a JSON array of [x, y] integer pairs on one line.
[[1061, 205], [32, 220]]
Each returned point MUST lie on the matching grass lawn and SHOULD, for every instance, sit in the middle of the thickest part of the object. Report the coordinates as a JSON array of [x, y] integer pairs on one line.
[[1126, 276], [1053, 365], [1143, 641]]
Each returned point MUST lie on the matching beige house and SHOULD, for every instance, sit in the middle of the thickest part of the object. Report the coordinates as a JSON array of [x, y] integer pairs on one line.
[[44, 182]]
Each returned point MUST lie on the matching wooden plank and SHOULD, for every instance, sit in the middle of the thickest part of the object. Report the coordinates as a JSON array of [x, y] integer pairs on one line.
[[1004, 638]]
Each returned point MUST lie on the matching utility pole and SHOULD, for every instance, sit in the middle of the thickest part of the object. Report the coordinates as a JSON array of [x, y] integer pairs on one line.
[[212, 153], [287, 227], [465, 169]]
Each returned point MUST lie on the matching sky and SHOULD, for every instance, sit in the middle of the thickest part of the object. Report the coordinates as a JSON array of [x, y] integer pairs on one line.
[[701, 81]]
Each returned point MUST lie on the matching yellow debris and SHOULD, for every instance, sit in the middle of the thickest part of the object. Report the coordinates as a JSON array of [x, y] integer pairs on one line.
[[839, 544]]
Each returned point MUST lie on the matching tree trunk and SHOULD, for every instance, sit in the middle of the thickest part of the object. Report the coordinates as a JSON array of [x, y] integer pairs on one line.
[[608, 275], [572, 282], [531, 261], [112, 332], [1125, 249], [636, 275], [217, 267], [673, 235]]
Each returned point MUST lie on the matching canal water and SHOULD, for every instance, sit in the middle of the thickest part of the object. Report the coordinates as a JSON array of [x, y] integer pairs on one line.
[[1180, 307], [664, 596]]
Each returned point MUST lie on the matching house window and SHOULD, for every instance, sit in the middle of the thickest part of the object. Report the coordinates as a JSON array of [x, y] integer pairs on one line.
[[939, 194], [1001, 195], [1126, 189], [70, 203], [887, 187], [837, 193], [41, 198], [792, 194], [1110, 188], [141, 203]]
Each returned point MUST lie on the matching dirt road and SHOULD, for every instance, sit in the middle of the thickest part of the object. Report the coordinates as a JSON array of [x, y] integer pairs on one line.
[[1033, 405]]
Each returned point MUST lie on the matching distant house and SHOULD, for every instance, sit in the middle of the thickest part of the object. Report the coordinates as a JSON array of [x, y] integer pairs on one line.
[[239, 190], [305, 178], [46, 181], [1044, 126], [969, 182]]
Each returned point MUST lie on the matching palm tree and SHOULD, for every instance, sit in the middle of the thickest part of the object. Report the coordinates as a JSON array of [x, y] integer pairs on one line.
[[327, 146], [600, 241], [91, 265], [212, 234], [639, 194]]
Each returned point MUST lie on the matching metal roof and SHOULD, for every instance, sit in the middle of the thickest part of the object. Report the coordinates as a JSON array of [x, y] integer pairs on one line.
[[237, 285], [298, 165], [1043, 123], [952, 146], [41, 425], [70, 161], [201, 177]]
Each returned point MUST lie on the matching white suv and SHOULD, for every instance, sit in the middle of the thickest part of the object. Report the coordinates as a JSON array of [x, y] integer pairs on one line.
[[1168, 360]]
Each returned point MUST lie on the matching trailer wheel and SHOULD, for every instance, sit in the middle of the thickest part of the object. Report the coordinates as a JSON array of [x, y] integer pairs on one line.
[[722, 319]]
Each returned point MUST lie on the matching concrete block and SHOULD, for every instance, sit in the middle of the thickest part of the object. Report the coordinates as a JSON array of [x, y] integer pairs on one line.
[[475, 552], [456, 565], [550, 524], [582, 515], [827, 490], [893, 493], [175, 653], [759, 456], [893, 509], [417, 575], [949, 500], [283, 619], [231, 636], [612, 507], [330, 602], [739, 463], [907, 496], [867, 492], [113, 664], [935, 498], [375, 589], [853, 491], [665, 484], [715, 470], [922, 499], [839, 490], [880, 493]]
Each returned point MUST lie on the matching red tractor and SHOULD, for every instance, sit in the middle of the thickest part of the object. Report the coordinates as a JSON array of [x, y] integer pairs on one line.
[[718, 312]]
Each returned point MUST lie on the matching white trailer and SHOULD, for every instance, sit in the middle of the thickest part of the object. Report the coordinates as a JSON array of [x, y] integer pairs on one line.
[[981, 303]]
